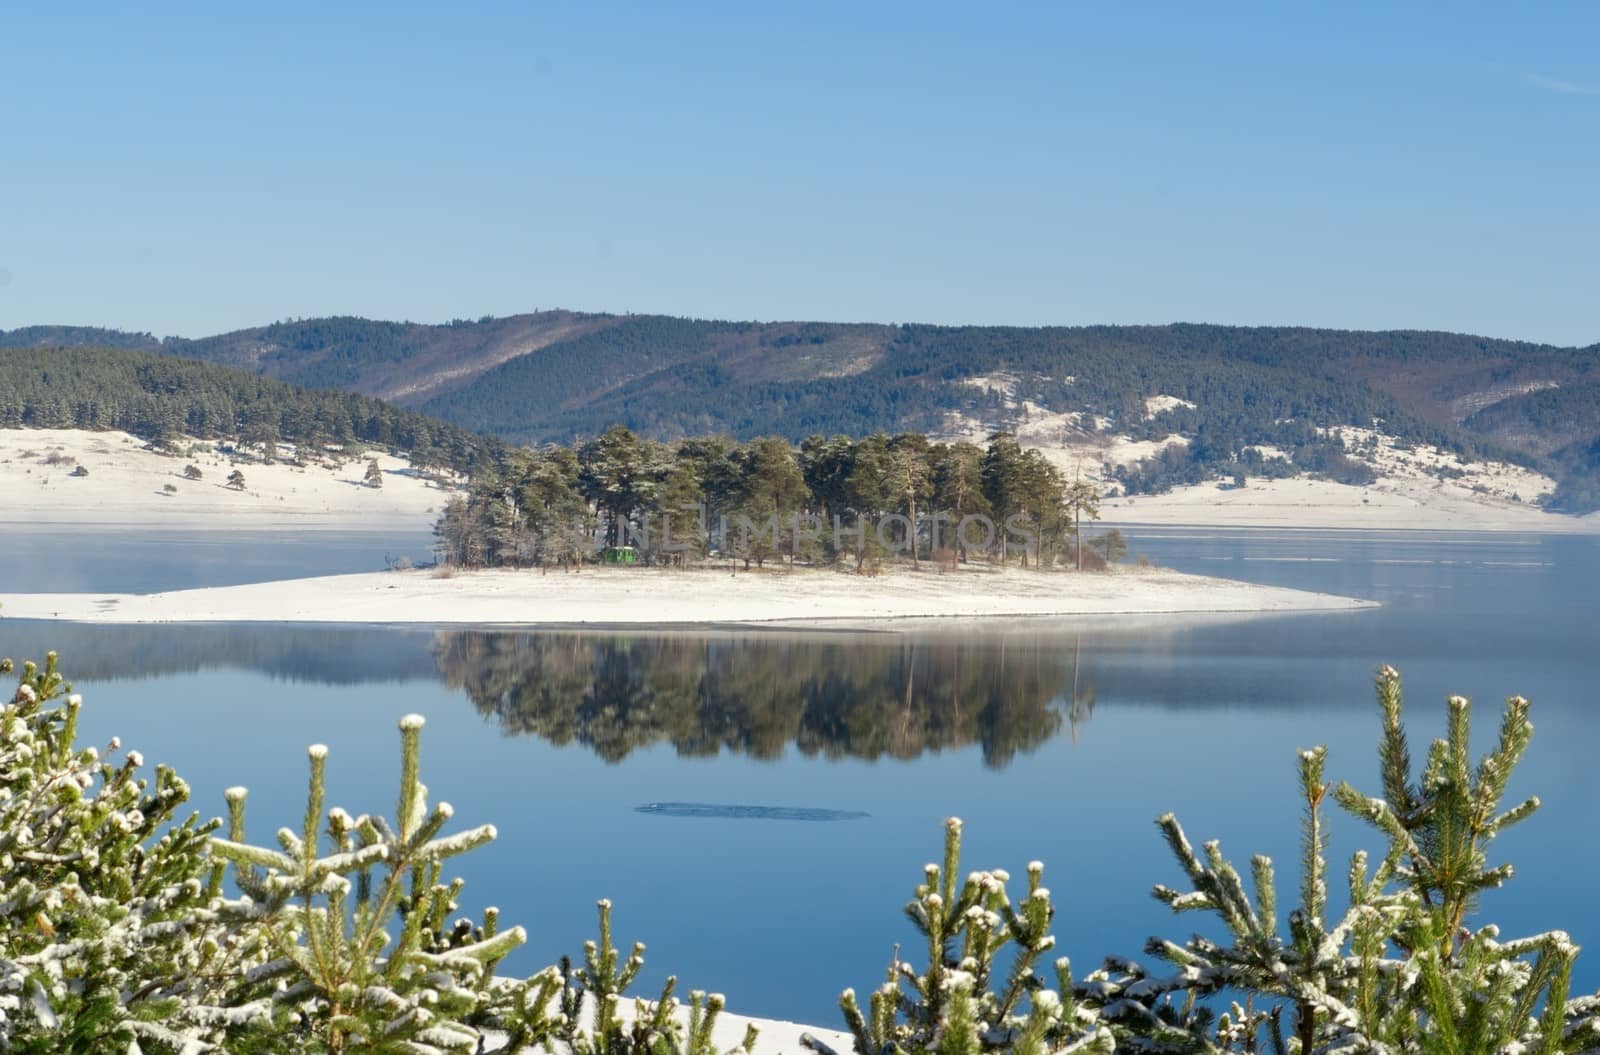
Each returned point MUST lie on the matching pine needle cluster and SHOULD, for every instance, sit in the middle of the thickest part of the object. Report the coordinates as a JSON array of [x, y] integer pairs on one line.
[[1402, 968], [981, 989], [127, 928]]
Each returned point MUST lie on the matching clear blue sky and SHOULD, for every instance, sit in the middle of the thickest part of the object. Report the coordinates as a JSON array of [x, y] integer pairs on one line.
[[189, 168]]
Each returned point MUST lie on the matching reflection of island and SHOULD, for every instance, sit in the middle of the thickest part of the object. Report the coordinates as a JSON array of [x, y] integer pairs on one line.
[[893, 697], [835, 695]]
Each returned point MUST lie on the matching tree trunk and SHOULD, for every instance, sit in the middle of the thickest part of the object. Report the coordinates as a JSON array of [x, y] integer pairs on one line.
[[1077, 531], [913, 530], [1077, 512]]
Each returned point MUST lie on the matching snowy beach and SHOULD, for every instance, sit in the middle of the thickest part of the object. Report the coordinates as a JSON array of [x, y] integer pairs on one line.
[[643, 596], [123, 483]]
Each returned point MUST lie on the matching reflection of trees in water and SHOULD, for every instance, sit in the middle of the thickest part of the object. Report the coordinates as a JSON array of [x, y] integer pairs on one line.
[[322, 654], [896, 698]]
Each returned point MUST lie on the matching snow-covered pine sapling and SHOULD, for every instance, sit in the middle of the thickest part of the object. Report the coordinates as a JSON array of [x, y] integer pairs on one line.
[[595, 991], [330, 963], [95, 906], [119, 932], [1440, 827], [598, 988], [1304, 971], [954, 1007], [1471, 991], [1399, 972]]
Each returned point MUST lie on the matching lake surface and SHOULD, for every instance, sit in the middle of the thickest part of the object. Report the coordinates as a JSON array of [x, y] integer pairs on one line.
[[795, 782]]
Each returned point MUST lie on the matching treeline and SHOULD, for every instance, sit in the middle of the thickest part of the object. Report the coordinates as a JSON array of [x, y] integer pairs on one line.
[[160, 398], [76, 337], [830, 498]]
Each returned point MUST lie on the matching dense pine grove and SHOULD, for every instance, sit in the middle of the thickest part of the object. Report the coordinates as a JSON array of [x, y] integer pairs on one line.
[[829, 499], [160, 397]]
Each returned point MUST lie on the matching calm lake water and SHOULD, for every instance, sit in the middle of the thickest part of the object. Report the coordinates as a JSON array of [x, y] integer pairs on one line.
[[1055, 740]]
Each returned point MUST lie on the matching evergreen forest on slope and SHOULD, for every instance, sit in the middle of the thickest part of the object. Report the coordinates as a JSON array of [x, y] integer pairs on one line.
[[160, 398], [560, 376]]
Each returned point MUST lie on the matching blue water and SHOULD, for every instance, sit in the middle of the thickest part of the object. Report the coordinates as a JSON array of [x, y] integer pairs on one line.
[[1060, 741], [70, 559]]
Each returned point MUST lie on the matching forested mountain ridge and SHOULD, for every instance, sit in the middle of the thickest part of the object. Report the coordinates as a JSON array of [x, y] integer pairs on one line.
[[560, 375], [160, 397], [403, 362], [76, 337], [395, 361]]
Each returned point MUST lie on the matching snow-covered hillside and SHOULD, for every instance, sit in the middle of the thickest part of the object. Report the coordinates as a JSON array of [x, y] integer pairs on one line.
[[1415, 485]]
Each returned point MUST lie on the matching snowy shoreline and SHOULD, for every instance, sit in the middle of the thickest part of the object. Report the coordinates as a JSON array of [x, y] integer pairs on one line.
[[1290, 505], [625, 597], [127, 488]]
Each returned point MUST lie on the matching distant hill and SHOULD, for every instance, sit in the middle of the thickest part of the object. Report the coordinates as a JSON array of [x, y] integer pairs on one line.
[[559, 375], [76, 337], [402, 362], [160, 397]]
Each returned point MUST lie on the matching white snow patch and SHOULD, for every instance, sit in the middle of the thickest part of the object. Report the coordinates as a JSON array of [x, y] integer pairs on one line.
[[1159, 403], [1418, 487], [1001, 384], [127, 483], [1398, 464], [1469, 405]]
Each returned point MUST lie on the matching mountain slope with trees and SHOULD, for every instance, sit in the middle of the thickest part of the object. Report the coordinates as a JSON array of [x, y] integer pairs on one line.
[[560, 376], [76, 337], [160, 398]]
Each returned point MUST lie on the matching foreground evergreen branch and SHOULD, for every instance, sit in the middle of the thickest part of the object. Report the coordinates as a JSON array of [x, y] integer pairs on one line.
[[95, 906], [125, 929], [1401, 970], [981, 990], [355, 946], [595, 991]]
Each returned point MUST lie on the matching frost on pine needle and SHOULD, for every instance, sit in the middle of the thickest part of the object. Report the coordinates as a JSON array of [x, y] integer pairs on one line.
[[1402, 970], [980, 989], [184, 941]]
